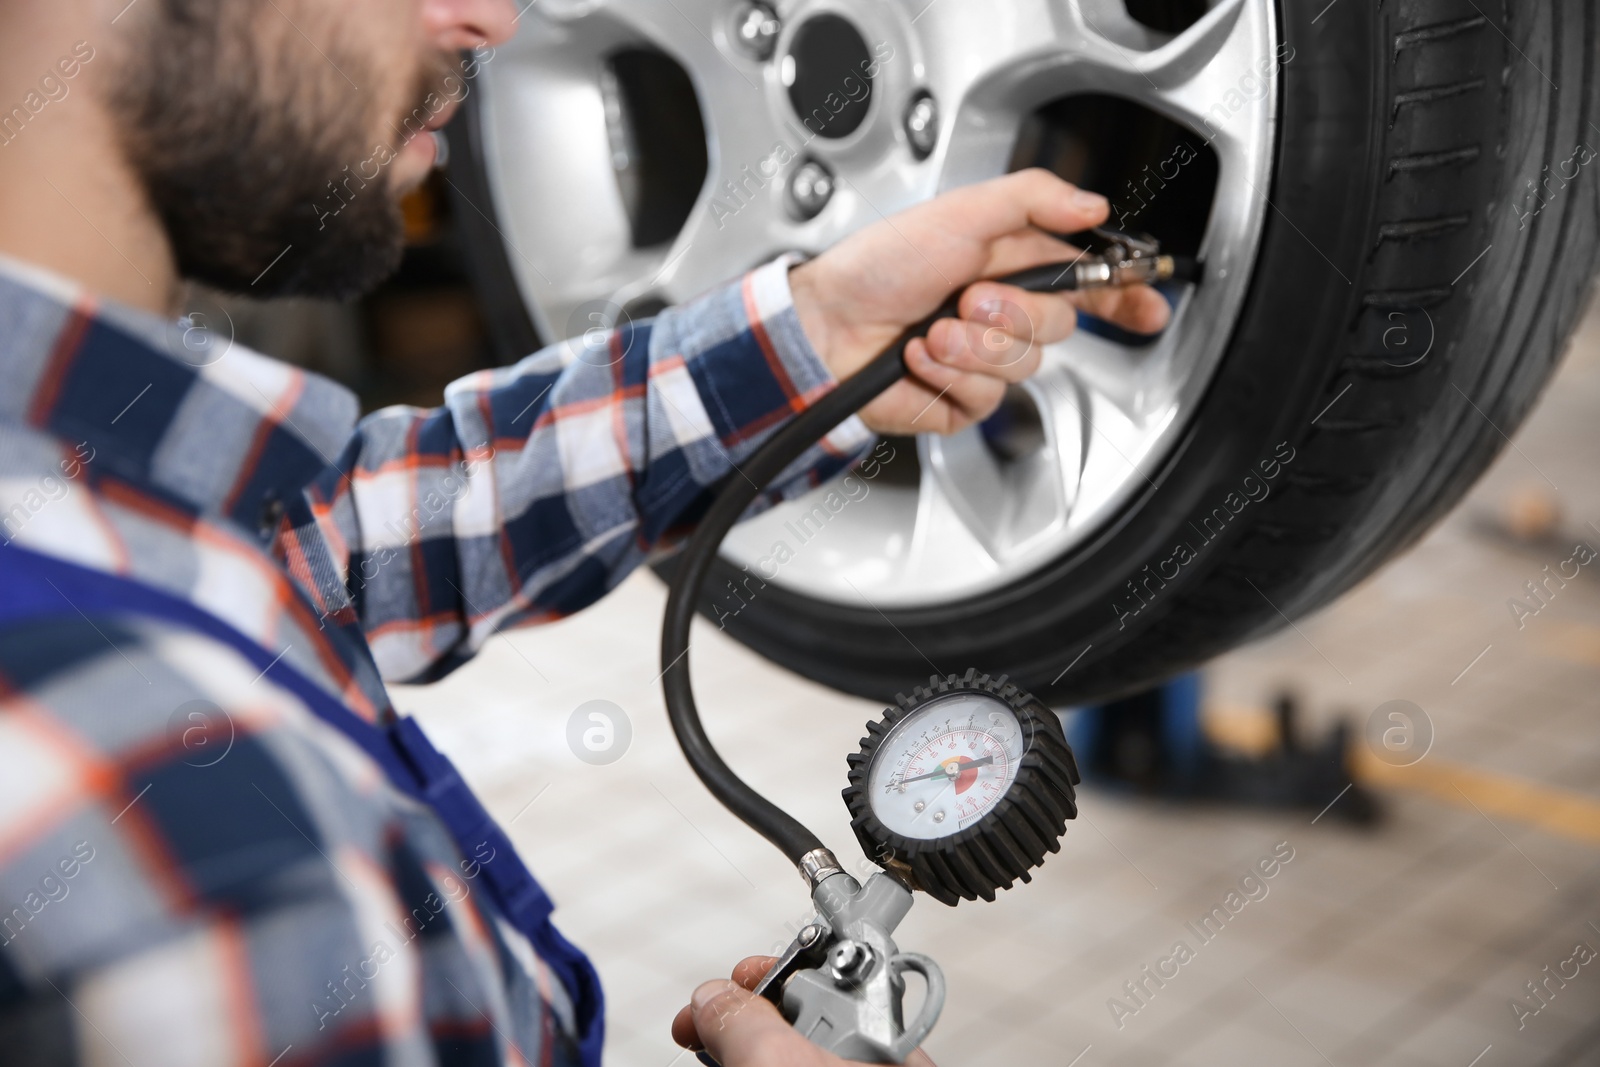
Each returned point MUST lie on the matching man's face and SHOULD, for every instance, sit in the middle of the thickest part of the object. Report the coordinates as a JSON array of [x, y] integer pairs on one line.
[[275, 137]]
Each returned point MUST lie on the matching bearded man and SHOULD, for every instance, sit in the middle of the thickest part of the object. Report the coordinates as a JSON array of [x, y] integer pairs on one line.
[[219, 844]]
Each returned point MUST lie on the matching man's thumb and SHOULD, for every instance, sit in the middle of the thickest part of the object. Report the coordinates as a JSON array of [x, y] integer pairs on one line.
[[739, 1028]]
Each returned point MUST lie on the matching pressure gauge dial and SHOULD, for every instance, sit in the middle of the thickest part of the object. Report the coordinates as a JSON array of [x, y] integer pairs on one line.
[[963, 787]]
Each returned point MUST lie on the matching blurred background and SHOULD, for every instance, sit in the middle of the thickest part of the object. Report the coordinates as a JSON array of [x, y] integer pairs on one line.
[[1459, 930]]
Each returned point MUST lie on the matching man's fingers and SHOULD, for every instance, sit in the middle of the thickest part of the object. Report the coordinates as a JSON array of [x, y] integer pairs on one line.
[[1044, 317], [749, 971], [683, 1031], [737, 1027], [1052, 316], [998, 346], [970, 396], [1025, 249], [911, 406], [1137, 308], [990, 210]]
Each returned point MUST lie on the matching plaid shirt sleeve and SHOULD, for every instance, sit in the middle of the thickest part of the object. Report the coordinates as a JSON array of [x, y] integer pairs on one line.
[[537, 488], [196, 870]]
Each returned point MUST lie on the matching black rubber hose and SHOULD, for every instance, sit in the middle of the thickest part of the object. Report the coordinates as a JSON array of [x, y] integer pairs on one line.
[[741, 490], [694, 563]]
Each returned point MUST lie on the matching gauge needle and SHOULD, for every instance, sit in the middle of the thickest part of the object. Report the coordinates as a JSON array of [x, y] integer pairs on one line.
[[950, 770]]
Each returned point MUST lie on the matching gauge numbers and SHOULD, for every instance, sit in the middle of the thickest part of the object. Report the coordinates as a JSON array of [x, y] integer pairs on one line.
[[945, 766]]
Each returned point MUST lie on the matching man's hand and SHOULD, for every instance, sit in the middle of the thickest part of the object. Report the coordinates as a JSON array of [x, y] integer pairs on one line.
[[856, 298], [740, 1029]]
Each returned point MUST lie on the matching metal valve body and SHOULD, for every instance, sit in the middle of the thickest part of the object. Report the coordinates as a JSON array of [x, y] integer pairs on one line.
[[840, 983]]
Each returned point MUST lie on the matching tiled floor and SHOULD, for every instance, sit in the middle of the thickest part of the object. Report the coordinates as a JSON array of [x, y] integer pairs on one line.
[[1402, 947]]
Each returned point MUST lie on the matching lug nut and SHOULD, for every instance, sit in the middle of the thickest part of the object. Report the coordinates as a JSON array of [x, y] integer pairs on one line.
[[756, 27], [810, 189], [922, 125]]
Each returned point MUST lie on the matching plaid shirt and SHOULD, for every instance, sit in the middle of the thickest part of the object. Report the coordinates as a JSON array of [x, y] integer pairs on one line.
[[277, 901]]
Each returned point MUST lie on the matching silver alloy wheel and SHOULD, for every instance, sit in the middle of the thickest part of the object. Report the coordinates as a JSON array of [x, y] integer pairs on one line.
[[559, 171]]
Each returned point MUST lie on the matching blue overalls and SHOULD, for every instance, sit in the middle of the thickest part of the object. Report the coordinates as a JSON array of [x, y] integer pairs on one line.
[[410, 761]]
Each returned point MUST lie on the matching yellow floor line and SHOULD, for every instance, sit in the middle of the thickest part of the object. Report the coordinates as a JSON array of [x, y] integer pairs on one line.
[[1565, 813], [1574, 642], [1562, 812], [1248, 730]]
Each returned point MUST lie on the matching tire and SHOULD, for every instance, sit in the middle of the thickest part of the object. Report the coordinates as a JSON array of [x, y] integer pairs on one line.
[[1411, 134]]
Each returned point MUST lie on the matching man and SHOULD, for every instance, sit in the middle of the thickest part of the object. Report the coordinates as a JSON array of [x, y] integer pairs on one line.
[[217, 843]]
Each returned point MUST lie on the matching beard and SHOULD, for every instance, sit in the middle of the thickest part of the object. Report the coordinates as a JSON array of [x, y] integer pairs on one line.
[[245, 141]]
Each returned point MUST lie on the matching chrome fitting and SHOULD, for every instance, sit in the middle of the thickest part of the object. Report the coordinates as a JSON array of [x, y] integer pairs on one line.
[[818, 865], [1132, 272], [1093, 274], [1130, 259]]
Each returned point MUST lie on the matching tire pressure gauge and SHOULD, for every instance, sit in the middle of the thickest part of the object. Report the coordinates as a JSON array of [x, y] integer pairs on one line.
[[963, 787], [959, 790]]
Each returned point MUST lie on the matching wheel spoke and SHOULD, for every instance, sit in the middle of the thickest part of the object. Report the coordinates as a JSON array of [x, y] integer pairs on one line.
[[1112, 38], [1045, 51], [1214, 77], [549, 87], [687, 30], [1010, 494]]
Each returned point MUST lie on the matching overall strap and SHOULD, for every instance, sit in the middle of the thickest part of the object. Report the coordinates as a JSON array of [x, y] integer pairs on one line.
[[35, 586]]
